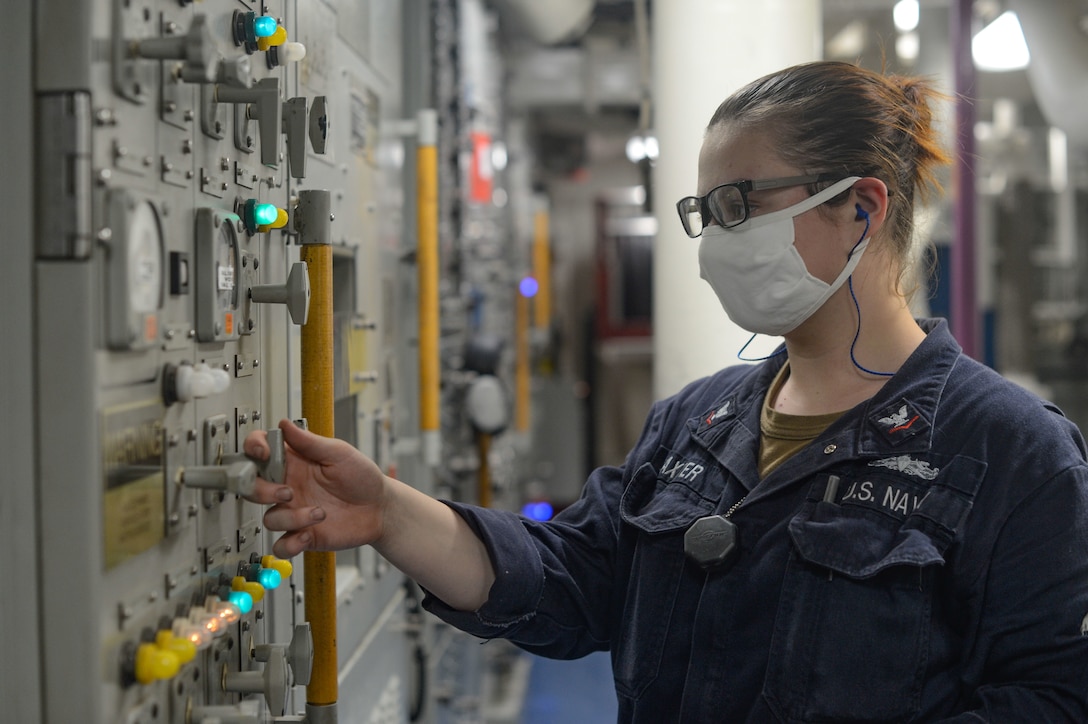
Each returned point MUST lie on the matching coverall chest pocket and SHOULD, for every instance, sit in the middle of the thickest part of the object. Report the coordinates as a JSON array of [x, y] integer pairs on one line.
[[851, 635], [655, 514]]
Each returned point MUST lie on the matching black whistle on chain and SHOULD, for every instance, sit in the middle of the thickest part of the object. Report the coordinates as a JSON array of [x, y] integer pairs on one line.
[[712, 542]]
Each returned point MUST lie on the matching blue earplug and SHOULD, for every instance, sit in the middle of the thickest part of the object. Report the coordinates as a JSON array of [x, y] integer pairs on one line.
[[863, 215]]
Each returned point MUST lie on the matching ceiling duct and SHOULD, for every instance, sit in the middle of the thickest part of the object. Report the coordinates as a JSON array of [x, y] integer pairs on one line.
[[551, 22]]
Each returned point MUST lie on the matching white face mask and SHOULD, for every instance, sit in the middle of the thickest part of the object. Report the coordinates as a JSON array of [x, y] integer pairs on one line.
[[758, 274]]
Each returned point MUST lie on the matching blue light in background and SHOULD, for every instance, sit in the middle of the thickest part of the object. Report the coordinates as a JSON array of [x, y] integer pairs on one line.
[[528, 287], [538, 510]]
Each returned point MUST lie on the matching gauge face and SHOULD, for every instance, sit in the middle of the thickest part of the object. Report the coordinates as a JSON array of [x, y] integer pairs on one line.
[[217, 275], [145, 265], [135, 271], [226, 263]]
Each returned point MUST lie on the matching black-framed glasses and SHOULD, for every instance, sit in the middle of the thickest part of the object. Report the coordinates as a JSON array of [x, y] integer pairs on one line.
[[727, 205]]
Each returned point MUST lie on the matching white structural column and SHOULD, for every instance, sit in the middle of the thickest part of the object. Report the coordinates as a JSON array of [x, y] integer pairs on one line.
[[703, 50]]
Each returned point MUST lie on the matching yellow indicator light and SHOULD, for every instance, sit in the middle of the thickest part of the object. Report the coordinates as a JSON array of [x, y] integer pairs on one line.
[[285, 567], [279, 223], [255, 590], [183, 648], [277, 38], [155, 664]]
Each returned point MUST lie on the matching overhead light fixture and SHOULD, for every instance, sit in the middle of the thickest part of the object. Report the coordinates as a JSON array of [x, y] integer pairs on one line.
[[641, 147], [1000, 46], [907, 46], [905, 15], [848, 42]]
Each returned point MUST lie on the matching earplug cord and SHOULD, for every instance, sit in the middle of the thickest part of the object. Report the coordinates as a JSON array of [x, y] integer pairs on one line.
[[862, 214]]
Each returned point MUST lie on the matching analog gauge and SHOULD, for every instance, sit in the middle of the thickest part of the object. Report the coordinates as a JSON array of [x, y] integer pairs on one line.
[[144, 261], [217, 275], [135, 270], [226, 262]]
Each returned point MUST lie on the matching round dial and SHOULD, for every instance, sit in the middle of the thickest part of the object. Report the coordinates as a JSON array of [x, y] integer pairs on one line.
[[145, 263], [226, 265]]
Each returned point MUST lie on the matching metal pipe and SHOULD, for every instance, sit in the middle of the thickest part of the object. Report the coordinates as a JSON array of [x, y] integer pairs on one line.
[[542, 271], [521, 364], [483, 472], [964, 320], [427, 268], [312, 222]]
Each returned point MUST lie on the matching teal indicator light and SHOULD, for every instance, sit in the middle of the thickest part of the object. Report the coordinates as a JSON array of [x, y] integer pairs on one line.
[[270, 578], [264, 26], [257, 214], [242, 600], [265, 214]]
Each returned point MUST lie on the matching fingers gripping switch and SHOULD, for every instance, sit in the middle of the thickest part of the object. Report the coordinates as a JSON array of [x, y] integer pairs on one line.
[[274, 467], [238, 477], [295, 293]]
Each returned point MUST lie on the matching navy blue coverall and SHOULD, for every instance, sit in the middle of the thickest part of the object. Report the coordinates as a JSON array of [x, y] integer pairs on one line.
[[945, 578]]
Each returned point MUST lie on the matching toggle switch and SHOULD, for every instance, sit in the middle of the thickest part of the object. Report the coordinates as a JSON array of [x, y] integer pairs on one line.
[[196, 49], [295, 293], [299, 654], [238, 477], [274, 681], [298, 125], [263, 105], [154, 663], [271, 469]]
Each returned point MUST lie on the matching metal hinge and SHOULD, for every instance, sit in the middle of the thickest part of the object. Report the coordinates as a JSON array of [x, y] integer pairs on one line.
[[63, 176]]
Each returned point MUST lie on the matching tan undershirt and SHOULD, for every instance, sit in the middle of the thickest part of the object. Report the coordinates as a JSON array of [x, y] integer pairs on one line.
[[782, 435]]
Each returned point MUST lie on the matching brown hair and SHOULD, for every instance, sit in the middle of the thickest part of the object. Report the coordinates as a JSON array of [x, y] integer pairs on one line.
[[831, 116]]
